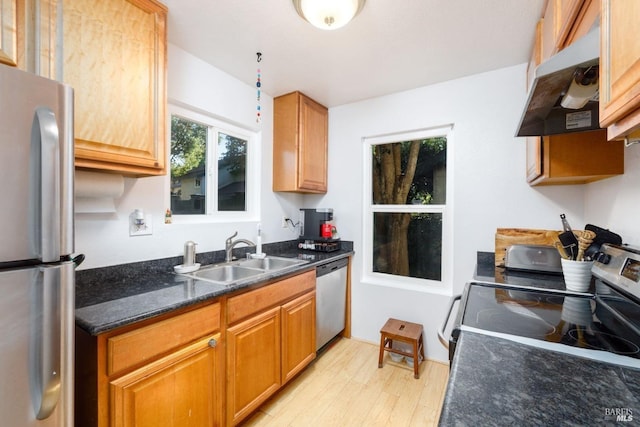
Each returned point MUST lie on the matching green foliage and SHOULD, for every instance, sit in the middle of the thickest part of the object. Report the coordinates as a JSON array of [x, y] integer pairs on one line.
[[188, 146], [234, 157], [432, 156]]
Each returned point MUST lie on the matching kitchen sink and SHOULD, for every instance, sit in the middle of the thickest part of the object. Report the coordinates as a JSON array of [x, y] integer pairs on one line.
[[238, 271], [226, 273], [271, 263]]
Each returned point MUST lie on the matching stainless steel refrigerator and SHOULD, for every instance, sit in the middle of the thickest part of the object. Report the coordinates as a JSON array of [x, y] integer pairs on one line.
[[36, 246]]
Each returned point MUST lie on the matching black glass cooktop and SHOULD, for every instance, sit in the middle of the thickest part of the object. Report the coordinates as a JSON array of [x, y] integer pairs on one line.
[[608, 323]]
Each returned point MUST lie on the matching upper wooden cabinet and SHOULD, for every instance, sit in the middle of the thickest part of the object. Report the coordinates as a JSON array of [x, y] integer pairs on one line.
[[8, 32], [564, 22], [574, 158], [115, 58], [28, 36], [300, 132], [620, 68], [557, 22]]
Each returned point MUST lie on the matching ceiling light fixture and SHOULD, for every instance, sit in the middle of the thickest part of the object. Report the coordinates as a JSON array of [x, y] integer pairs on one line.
[[328, 14]]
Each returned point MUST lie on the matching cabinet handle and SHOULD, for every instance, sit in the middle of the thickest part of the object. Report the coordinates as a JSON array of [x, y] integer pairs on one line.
[[213, 343]]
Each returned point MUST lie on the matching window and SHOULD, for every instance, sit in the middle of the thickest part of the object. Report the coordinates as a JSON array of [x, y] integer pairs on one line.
[[211, 164], [405, 206]]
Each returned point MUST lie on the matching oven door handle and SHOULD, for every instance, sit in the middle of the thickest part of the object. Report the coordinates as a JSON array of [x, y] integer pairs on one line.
[[441, 337]]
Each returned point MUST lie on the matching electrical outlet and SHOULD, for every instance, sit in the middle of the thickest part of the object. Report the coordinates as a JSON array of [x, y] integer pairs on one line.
[[143, 229], [285, 222]]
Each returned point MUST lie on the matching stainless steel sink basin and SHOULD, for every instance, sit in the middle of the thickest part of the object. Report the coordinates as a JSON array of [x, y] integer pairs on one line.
[[226, 273], [271, 263], [232, 273]]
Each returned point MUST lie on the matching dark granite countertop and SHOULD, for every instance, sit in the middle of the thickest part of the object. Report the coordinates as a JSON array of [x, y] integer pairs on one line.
[[111, 297], [494, 381], [486, 271]]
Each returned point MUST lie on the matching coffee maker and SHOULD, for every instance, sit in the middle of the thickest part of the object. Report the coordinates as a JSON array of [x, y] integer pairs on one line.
[[317, 231]]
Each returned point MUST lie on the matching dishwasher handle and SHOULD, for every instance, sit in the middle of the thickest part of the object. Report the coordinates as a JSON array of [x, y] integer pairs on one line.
[[330, 267], [441, 337]]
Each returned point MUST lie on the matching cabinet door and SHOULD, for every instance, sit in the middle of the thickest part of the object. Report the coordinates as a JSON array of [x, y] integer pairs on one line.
[[115, 58], [620, 67], [8, 32], [578, 158], [312, 169], [182, 389], [38, 29], [587, 17], [534, 157], [298, 335], [300, 132], [253, 363]]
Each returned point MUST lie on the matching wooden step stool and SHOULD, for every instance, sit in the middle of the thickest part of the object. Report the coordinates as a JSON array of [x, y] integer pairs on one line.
[[410, 333]]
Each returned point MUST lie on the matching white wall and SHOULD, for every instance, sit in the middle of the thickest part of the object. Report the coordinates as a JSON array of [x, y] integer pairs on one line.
[[104, 238], [613, 203], [489, 186]]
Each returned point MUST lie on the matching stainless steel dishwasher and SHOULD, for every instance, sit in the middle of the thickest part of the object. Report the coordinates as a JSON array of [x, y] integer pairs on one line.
[[331, 300]]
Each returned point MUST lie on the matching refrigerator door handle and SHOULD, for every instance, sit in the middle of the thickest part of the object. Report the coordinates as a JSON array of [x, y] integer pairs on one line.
[[45, 132], [45, 345]]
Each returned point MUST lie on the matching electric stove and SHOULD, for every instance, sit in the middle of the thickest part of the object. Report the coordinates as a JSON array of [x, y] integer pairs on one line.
[[602, 325]]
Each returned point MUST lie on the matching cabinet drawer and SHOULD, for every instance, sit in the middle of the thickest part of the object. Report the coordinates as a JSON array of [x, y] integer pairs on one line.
[[140, 345], [252, 302]]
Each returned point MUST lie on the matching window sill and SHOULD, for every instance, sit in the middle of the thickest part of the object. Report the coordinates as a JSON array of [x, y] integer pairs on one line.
[[390, 281], [213, 219]]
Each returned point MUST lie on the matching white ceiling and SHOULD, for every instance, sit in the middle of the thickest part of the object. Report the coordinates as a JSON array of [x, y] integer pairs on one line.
[[391, 46]]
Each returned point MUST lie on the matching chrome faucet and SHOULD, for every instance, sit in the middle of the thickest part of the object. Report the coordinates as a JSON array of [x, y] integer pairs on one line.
[[229, 244]]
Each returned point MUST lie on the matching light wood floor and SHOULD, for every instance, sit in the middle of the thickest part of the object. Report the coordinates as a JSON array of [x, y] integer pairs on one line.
[[344, 387]]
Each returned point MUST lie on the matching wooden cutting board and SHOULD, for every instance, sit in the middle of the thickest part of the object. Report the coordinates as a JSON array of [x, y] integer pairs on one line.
[[506, 237]]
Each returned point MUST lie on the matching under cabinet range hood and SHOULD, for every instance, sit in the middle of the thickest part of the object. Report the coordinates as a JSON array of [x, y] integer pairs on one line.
[[564, 94]]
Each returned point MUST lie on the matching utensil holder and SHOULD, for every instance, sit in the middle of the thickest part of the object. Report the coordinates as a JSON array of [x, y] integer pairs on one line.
[[577, 274]]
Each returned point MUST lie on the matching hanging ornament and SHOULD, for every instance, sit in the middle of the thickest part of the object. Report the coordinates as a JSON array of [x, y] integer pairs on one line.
[[258, 85]]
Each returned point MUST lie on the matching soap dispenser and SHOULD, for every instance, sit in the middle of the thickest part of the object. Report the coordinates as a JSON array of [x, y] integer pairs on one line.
[[189, 253]]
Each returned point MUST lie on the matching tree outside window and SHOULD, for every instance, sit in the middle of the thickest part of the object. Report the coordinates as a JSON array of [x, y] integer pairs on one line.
[[408, 185]]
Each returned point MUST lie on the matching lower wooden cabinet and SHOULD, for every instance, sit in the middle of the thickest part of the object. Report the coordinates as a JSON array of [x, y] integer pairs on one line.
[[209, 366], [178, 390], [266, 351], [272, 340], [162, 373], [298, 335], [253, 363]]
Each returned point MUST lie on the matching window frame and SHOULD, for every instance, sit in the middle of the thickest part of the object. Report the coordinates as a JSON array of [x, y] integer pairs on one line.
[[443, 286], [215, 126]]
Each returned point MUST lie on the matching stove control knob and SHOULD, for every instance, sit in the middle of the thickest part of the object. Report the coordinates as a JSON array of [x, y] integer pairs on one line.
[[602, 258]]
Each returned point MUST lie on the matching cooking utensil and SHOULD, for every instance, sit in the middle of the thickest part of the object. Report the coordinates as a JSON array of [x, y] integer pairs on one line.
[[585, 239], [568, 239], [561, 251], [602, 236]]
